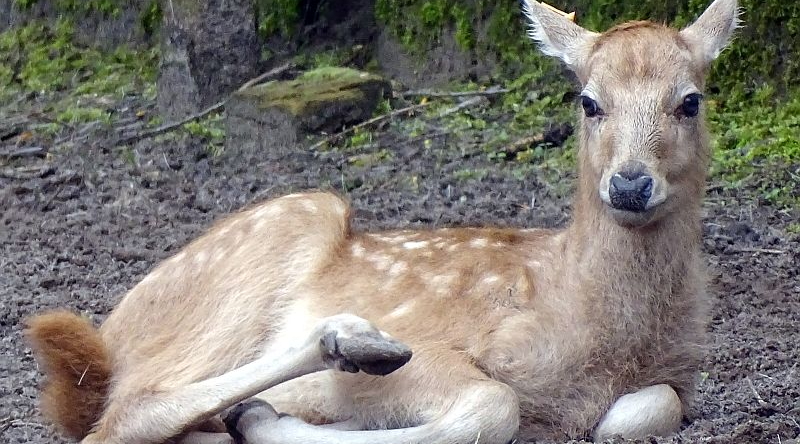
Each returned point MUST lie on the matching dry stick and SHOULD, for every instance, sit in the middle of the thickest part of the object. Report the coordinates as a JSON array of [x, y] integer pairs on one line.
[[758, 250], [463, 105], [369, 122], [492, 91], [29, 151], [194, 117]]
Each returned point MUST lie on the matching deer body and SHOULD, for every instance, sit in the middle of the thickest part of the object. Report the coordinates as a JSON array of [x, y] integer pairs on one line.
[[597, 328]]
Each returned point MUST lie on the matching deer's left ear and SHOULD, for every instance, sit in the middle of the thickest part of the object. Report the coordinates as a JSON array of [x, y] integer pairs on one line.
[[712, 32], [557, 35]]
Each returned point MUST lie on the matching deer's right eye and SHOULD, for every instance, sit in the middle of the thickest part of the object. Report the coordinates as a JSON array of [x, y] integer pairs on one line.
[[590, 107]]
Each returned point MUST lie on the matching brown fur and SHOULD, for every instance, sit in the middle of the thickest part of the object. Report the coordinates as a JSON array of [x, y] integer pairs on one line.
[[78, 369], [553, 325]]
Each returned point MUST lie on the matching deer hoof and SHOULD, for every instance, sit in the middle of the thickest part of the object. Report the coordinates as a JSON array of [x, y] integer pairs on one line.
[[246, 415], [352, 344]]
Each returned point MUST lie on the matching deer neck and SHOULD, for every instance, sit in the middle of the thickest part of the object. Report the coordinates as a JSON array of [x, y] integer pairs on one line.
[[637, 273]]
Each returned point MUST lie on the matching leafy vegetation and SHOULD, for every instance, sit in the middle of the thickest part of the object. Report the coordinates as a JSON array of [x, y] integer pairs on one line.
[[68, 83], [277, 17], [753, 104]]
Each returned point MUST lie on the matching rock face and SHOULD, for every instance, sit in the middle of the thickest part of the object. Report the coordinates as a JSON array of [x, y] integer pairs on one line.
[[275, 117], [209, 48]]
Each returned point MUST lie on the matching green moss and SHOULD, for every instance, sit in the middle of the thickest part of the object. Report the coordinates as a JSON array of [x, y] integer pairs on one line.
[[108, 7], [150, 17], [46, 60], [80, 114], [316, 88], [277, 17], [419, 24], [367, 160]]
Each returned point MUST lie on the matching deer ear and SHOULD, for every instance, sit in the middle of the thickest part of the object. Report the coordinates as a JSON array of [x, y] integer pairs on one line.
[[712, 32], [557, 35]]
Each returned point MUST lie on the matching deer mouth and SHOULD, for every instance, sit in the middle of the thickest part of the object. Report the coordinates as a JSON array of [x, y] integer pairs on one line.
[[632, 209]]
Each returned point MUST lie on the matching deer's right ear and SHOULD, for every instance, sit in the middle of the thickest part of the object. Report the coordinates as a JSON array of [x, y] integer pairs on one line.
[[557, 35]]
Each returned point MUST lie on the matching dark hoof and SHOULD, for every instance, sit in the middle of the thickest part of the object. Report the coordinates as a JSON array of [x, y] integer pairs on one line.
[[254, 408], [368, 352]]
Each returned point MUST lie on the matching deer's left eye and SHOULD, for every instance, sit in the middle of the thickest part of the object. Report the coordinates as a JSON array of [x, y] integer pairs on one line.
[[690, 106]]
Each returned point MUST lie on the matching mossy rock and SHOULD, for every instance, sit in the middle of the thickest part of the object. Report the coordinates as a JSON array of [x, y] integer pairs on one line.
[[323, 99], [276, 117]]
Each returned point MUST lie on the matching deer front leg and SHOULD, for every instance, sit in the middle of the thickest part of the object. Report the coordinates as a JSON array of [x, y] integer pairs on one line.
[[652, 411], [481, 412], [343, 342]]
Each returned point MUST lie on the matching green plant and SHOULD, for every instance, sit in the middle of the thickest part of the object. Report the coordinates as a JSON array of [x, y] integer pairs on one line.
[[277, 17]]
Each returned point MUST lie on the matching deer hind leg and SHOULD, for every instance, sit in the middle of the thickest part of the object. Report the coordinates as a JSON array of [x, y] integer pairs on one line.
[[652, 411], [481, 412], [343, 342]]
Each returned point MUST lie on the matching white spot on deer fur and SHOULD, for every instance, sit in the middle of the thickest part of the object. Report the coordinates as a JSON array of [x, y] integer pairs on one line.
[[220, 255], [358, 250], [442, 281], [223, 231], [402, 309], [415, 245], [310, 206], [398, 268], [381, 261], [200, 257], [453, 247], [490, 279], [479, 243]]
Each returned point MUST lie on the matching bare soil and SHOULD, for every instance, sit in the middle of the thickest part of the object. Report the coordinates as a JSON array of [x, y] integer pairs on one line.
[[100, 218]]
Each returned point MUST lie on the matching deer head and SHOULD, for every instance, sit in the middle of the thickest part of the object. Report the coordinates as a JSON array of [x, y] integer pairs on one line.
[[643, 145]]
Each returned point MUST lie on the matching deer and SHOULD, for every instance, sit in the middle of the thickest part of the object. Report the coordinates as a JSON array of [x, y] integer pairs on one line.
[[281, 324]]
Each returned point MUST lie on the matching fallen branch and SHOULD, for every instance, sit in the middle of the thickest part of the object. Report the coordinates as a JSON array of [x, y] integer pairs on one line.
[[758, 250], [28, 151], [26, 172], [167, 127], [474, 101], [491, 91], [372, 121]]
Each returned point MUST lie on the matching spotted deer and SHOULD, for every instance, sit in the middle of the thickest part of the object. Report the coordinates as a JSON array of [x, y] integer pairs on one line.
[[592, 331]]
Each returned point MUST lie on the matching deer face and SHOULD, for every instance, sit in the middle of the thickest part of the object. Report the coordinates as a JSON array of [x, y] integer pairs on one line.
[[643, 141]]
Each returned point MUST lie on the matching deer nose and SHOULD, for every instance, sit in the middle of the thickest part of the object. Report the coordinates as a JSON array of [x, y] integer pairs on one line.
[[630, 191]]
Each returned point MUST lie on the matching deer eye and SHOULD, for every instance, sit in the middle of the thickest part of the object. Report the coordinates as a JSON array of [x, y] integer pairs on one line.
[[590, 107], [690, 106]]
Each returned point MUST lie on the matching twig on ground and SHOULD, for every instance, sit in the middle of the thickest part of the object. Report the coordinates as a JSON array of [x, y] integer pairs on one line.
[[474, 101], [372, 121], [28, 151], [491, 91], [755, 392], [27, 172], [758, 250], [167, 127]]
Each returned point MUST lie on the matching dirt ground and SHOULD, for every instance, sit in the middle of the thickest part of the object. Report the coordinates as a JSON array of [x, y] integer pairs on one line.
[[100, 218]]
